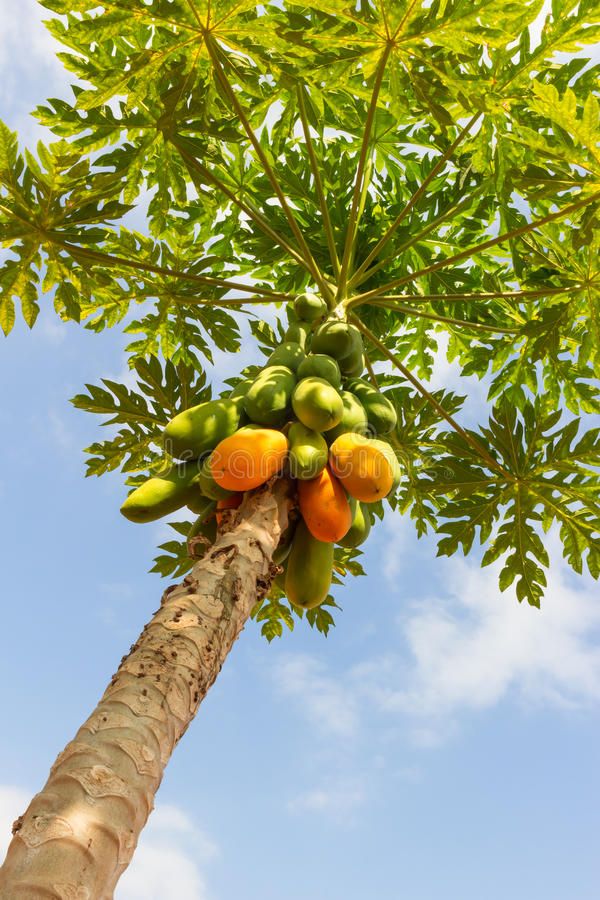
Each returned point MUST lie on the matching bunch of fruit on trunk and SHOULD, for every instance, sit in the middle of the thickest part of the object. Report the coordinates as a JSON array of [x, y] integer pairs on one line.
[[307, 414]]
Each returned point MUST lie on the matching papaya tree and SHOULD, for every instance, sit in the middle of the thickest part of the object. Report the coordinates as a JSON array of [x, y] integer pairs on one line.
[[363, 186]]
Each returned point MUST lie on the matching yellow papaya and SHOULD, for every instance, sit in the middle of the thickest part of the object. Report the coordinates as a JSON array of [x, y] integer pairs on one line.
[[380, 411], [289, 354], [324, 507], [319, 365], [247, 459], [354, 417], [393, 460], [309, 569], [308, 452], [360, 528], [310, 307], [268, 400], [160, 495], [317, 404], [197, 430], [364, 468]]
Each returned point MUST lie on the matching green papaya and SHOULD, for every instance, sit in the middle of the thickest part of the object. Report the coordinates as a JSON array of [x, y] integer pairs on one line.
[[354, 417], [204, 510], [196, 499], [317, 404], [160, 495], [282, 550], [299, 333], [308, 452], [268, 400], [360, 528], [337, 339], [318, 365], [199, 429], [310, 307], [309, 569], [207, 484], [352, 366], [241, 388], [380, 411], [289, 354]]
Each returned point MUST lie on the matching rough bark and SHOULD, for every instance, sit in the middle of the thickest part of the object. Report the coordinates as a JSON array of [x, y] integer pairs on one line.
[[79, 833]]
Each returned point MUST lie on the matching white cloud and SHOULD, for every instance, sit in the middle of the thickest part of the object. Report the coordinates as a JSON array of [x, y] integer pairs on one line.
[[324, 700], [167, 864], [169, 860], [338, 800]]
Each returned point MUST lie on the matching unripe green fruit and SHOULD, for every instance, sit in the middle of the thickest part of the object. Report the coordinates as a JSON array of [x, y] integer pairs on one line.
[[380, 411], [310, 307], [337, 339], [267, 402], [354, 417], [318, 365], [309, 569], [317, 404], [289, 354], [299, 333], [360, 528], [160, 495], [207, 484], [199, 429], [308, 452]]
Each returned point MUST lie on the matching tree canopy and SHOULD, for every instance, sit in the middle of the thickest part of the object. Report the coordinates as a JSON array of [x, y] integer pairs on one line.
[[432, 169]]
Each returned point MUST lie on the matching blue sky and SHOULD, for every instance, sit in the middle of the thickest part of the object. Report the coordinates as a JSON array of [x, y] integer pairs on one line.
[[441, 743]]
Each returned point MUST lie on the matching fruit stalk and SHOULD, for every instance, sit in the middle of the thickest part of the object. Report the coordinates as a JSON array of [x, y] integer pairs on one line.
[[79, 833]]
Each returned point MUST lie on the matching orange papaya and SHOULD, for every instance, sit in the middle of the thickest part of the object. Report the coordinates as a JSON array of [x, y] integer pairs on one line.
[[324, 507], [248, 458], [364, 468], [234, 501]]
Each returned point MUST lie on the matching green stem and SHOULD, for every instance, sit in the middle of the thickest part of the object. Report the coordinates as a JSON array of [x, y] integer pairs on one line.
[[358, 183], [478, 248], [304, 248], [107, 259], [327, 225], [416, 238], [411, 311], [414, 199], [250, 211], [479, 449], [520, 296]]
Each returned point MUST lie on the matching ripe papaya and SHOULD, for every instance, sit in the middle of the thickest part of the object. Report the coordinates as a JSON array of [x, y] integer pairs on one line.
[[299, 333], [309, 569], [207, 484], [160, 495], [380, 411], [354, 417], [267, 402], [248, 458], [393, 460], [308, 452], [318, 365], [360, 528], [232, 502], [317, 404], [364, 469], [310, 307], [282, 550], [199, 429], [337, 339], [324, 507], [289, 354]]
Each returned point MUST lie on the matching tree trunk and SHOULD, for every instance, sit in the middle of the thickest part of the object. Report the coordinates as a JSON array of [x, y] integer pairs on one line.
[[78, 835]]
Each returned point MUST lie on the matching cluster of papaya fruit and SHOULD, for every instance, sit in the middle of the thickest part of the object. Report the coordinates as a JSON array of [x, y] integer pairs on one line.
[[307, 412]]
